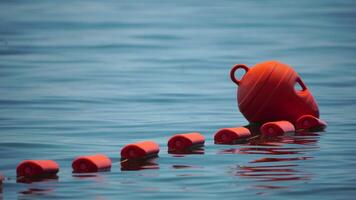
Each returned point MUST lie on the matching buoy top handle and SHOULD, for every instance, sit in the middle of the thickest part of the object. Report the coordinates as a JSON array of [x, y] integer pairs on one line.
[[233, 71]]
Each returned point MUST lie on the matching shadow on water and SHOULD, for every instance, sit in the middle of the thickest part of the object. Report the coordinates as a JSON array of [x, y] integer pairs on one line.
[[36, 179], [135, 165], [182, 153], [279, 163], [44, 189], [36, 191]]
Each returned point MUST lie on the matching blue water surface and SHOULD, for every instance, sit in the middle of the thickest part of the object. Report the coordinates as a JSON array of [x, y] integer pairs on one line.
[[85, 77]]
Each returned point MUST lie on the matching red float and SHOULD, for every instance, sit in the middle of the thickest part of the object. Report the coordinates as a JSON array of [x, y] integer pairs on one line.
[[91, 163], [185, 142], [37, 168], [276, 128], [140, 150], [309, 122], [267, 93], [232, 135]]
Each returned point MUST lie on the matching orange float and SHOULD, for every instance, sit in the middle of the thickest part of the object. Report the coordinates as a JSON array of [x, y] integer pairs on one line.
[[140, 150], [232, 135], [91, 163], [37, 168], [309, 122], [276, 128], [185, 142]]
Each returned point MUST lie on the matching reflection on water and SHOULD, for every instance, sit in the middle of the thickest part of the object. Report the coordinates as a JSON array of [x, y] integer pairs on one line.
[[36, 191], [185, 166], [279, 164], [1, 180], [179, 153], [43, 189], [96, 177], [36, 179], [134, 165]]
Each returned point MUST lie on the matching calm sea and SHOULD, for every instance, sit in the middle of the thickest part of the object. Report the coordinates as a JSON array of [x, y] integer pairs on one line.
[[84, 77]]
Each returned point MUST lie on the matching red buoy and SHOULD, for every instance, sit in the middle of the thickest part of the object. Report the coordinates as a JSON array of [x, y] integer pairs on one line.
[[306, 122], [140, 150], [232, 135], [276, 128], [91, 163], [186, 141], [37, 168], [267, 93]]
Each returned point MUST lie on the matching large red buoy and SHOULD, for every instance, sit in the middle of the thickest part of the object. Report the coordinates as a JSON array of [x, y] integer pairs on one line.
[[267, 93]]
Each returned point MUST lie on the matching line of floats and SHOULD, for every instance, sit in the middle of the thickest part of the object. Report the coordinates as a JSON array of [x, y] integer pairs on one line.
[[35, 170], [266, 96]]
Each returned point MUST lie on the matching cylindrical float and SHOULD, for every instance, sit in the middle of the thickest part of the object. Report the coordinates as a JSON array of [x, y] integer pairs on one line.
[[185, 142], [277, 128], [91, 163], [306, 122], [231, 135], [37, 168], [267, 93], [140, 150]]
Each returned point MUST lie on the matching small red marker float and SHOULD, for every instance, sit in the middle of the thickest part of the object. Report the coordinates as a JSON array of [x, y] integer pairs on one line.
[[91, 163], [232, 135], [277, 128], [307, 122], [37, 169], [140, 150], [185, 142]]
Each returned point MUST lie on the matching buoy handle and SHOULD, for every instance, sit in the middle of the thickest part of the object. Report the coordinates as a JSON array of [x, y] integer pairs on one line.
[[234, 69], [301, 83]]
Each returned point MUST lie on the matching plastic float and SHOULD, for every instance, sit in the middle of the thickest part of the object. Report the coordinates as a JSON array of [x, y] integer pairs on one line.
[[29, 170], [232, 135], [140, 150], [277, 128], [306, 122], [91, 163], [185, 142], [267, 93]]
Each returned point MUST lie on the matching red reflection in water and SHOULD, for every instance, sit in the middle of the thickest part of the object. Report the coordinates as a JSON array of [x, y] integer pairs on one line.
[[36, 179], [36, 191], [279, 159], [270, 187], [134, 165], [274, 151], [2, 178], [277, 168], [198, 150], [290, 147], [97, 177], [185, 166]]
